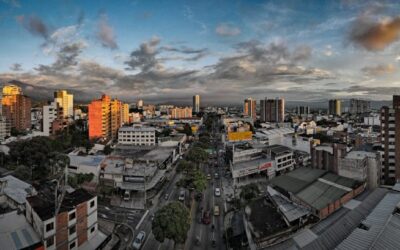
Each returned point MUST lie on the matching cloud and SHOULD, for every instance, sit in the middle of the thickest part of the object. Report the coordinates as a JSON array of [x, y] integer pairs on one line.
[[34, 25], [375, 35], [226, 29], [105, 33], [144, 58], [377, 70], [67, 57], [16, 67]]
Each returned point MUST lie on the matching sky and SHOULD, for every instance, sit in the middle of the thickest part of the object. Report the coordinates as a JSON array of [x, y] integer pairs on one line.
[[226, 51]]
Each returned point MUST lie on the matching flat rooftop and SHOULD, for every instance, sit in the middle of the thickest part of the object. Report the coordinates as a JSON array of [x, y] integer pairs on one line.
[[137, 129], [16, 189], [88, 160], [279, 149], [16, 232], [43, 203]]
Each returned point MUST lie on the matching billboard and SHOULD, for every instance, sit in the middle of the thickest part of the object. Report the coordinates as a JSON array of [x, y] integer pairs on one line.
[[265, 166], [240, 136]]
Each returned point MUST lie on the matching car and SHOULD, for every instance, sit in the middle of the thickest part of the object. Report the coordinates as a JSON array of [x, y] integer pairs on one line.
[[208, 177], [139, 240], [216, 210], [217, 192], [182, 195], [166, 196], [206, 217], [216, 176], [127, 195]]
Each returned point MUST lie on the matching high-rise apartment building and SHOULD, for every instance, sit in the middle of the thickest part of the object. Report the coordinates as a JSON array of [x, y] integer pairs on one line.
[[196, 103], [139, 104], [125, 113], [335, 107], [66, 102], [104, 118], [16, 107], [179, 113], [53, 119], [358, 106], [390, 139], [302, 110], [272, 110], [249, 108]]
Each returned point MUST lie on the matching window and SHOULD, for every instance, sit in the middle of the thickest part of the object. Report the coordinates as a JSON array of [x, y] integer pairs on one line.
[[72, 216], [72, 245], [72, 230], [92, 204], [92, 229], [50, 241], [49, 226]]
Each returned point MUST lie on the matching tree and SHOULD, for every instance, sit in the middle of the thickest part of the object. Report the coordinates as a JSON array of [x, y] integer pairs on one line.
[[197, 155], [249, 192], [187, 129], [183, 166], [172, 222], [107, 150], [199, 181]]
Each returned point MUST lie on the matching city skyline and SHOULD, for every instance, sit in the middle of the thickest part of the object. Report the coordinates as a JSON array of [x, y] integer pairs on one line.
[[314, 50]]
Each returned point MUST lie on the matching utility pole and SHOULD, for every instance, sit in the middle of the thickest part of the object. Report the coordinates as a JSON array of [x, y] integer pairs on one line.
[[144, 183]]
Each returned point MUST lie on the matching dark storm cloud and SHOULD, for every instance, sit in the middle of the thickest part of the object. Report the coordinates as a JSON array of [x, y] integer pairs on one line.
[[67, 56], [105, 33], [144, 58], [34, 25]]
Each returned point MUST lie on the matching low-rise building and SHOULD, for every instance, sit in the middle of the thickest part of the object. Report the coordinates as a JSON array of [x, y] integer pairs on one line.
[[89, 164], [13, 192], [283, 157], [318, 190], [137, 136], [75, 225], [16, 233]]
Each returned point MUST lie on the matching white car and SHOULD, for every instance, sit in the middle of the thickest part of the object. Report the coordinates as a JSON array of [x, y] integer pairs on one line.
[[217, 192], [139, 240], [181, 195]]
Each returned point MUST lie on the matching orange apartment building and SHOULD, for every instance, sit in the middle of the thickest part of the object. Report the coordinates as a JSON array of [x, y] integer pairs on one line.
[[16, 107], [105, 118]]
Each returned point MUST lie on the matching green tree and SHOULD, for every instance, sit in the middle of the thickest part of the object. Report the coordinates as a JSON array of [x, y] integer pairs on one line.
[[172, 222], [183, 166], [249, 192], [197, 155], [199, 181]]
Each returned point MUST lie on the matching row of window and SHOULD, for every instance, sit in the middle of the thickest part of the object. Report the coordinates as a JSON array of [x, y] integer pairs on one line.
[[72, 230]]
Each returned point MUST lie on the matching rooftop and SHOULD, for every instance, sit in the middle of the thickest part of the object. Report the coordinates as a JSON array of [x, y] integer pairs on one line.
[[279, 149], [16, 232], [17, 189], [137, 129], [89, 160], [43, 203]]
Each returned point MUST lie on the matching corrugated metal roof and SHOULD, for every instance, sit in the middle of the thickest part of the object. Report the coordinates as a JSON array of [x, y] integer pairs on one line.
[[375, 222], [338, 231], [389, 239]]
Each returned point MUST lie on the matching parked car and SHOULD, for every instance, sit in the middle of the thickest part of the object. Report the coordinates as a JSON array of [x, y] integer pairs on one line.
[[127, 195], [216, 176], [208, 177], [182, 195], [206, 217], [139, 240], [166, 196], [217, 192]]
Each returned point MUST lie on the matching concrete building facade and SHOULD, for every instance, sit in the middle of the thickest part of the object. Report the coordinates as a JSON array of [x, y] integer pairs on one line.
[[272, 110]]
